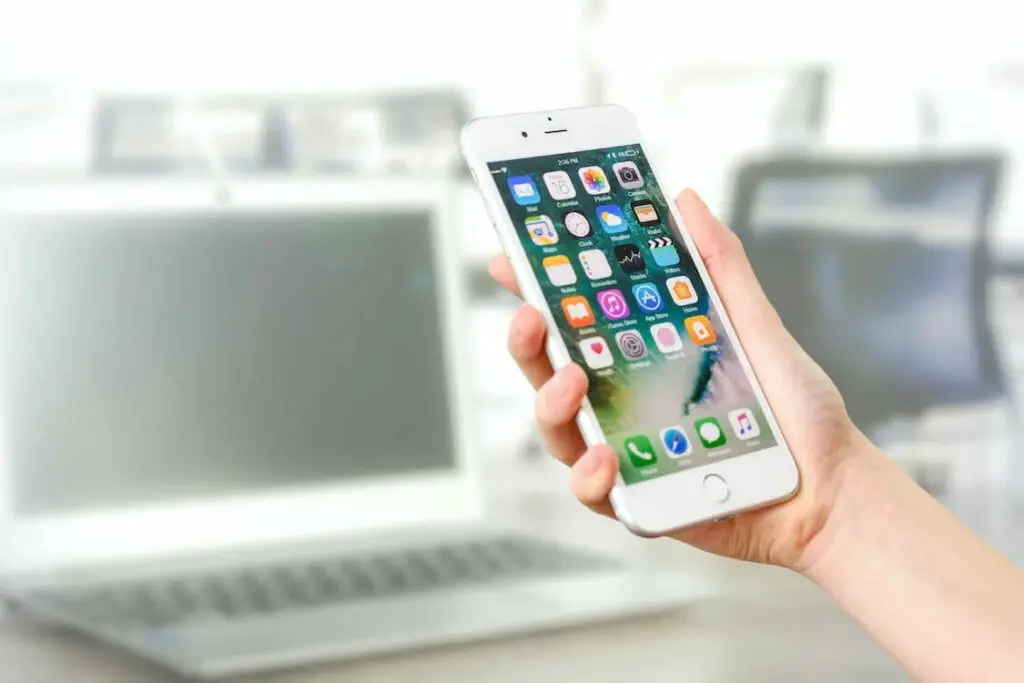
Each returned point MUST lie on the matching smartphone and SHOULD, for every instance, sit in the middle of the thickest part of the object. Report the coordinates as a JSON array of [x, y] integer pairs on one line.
[[603, 254]]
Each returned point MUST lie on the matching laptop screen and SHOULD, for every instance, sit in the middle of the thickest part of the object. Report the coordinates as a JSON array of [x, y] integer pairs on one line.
[[155, 358]]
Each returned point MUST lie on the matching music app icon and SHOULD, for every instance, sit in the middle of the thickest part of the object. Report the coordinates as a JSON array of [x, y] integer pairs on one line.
[[744, 424]]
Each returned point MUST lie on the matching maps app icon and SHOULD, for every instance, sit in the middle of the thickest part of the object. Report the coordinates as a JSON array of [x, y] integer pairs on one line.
[[542, 230]]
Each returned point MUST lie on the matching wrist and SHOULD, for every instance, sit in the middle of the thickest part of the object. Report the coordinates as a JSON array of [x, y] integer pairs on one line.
[[858, 475]]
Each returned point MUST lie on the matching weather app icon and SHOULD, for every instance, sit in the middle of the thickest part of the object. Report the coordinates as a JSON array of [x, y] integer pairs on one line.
[[612, 219]]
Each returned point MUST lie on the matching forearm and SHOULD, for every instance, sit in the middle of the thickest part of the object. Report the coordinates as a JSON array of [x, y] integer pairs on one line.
[[945, 604]]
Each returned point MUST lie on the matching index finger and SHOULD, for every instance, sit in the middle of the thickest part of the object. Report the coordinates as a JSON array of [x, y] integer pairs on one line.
[[501, 270]]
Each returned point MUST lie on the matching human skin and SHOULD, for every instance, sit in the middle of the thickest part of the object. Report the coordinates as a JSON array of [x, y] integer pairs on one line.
[[945, 604]]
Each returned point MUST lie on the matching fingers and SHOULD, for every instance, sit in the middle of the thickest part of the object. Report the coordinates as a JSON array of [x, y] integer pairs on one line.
[[593, 477], [727, 265], [501, 270], [526, 344], [556, 406]]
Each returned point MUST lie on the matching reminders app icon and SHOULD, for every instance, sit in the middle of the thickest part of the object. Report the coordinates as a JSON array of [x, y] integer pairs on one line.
[[523, 190]]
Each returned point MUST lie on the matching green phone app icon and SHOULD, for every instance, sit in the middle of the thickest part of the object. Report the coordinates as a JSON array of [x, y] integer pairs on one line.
[[640, 451], [710, 432]]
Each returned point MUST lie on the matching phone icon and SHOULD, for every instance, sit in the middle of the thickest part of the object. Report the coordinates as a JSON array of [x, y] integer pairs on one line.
[[682, 291], [577, 311], [559, 185], [612, 219], [523, 190], [631, 344], [645, 212], [628, 174], [576, 224], [559, 270], [596, 353], [666, 337], [710, 432], [674, 441], [640, 451], [629, 258], [664, 251], [542, 230], [700, 330], [612, 303], [595, 264], [594, 180], [744, 424], [647, 296]]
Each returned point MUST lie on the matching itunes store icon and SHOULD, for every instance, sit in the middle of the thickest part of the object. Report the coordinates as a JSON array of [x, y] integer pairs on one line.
[[613, 304]]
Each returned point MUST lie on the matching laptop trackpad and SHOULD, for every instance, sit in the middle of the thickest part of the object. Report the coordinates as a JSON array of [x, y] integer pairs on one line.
[[355, 626]]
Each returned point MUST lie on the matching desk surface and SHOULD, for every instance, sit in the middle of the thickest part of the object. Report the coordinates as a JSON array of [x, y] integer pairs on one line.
[[765, 625]]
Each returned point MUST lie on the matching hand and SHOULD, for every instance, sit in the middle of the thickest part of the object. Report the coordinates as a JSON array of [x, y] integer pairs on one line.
[[806, 404]]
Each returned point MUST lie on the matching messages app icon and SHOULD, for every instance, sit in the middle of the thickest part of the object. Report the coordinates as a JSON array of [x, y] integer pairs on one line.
[[612, 219]]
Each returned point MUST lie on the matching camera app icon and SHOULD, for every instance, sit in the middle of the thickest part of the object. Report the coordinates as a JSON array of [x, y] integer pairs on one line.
[[628, 174]]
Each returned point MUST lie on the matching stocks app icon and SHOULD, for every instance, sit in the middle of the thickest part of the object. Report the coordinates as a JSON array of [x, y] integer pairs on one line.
[[629, 258]]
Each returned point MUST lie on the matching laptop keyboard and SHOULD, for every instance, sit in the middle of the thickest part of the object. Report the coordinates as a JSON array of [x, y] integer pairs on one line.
[[246, 591]]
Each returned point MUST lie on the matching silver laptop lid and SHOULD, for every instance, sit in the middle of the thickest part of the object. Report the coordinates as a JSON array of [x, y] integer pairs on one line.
[[158, 355]]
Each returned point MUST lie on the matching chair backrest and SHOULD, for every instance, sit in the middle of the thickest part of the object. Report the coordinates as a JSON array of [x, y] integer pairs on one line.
[[880, 270]]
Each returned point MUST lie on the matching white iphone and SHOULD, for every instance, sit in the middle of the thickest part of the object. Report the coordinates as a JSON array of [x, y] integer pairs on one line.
[[602, 253]]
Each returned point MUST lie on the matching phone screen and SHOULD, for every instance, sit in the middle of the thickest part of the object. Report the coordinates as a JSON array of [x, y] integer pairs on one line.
[[666, 385]]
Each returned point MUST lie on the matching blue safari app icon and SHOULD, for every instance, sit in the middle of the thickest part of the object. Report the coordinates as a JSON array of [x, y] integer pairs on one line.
[[611, 218], [647, 296], [523, 190], [674, 441]]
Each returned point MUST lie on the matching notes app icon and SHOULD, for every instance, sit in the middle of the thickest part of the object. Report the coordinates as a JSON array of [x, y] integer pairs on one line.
[[559, 270]]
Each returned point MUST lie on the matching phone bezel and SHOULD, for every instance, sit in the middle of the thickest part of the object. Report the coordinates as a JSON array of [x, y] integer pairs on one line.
[[668, 502]]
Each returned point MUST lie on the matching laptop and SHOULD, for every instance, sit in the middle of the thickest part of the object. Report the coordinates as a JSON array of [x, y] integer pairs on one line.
[[235, 432]]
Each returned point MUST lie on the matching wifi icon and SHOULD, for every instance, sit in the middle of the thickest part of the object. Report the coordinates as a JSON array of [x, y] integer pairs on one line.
[[630, 258]]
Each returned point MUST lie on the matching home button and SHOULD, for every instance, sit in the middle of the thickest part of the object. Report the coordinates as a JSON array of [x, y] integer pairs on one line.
[[716, 488]]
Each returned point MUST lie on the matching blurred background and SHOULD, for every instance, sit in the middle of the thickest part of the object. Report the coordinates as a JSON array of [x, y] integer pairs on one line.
[[869, 158]]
